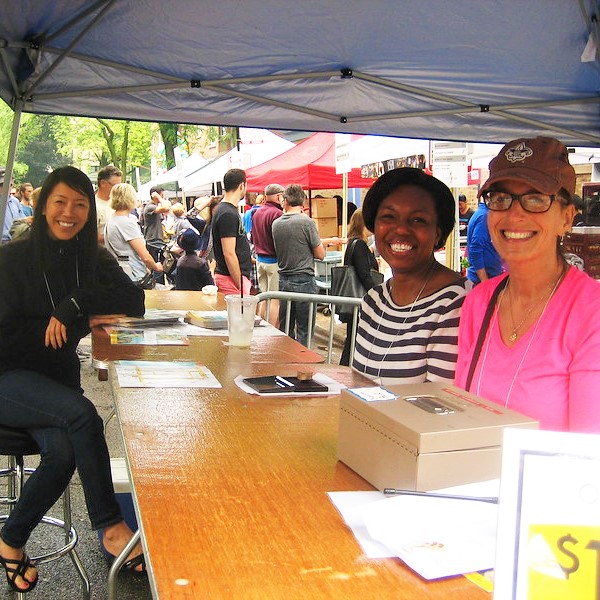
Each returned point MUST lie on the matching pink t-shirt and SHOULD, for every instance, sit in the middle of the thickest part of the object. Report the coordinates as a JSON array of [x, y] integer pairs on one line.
[[552, 373]]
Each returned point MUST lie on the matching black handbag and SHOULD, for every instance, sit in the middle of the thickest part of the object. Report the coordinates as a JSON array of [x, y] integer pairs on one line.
[[345, 282], [147, 282]]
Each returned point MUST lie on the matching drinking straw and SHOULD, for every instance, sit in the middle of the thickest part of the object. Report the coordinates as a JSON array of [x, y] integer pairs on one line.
[[242, 291]]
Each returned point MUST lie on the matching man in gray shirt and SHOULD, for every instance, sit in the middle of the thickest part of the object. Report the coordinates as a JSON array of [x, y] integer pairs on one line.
[[297, 244]]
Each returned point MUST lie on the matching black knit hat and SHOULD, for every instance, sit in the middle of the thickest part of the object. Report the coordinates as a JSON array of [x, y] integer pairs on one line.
[[389, 182]]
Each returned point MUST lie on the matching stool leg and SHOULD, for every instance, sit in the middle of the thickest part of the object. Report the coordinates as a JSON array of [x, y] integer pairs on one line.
[[14, 488], [16, 481], [73, 553]]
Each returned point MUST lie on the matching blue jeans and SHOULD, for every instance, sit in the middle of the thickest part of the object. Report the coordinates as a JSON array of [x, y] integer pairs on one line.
[[298, 310], [69, 433]]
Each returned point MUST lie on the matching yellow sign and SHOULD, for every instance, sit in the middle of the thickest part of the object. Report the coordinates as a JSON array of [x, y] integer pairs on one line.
[[563, 562]]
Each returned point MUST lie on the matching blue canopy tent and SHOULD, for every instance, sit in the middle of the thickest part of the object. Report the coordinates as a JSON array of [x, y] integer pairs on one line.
[[470, 70]]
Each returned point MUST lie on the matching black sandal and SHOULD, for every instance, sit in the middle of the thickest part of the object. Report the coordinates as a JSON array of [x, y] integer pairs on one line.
[[18, 570], [132, 563]]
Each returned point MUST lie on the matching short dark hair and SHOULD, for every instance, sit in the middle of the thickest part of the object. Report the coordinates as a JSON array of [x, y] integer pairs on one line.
[[389, 182], [462, 198], [233, 179], [158, 189], [294, 195], [105, 173]]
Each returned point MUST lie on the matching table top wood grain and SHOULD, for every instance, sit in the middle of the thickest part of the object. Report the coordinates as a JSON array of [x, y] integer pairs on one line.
[[231, 492]]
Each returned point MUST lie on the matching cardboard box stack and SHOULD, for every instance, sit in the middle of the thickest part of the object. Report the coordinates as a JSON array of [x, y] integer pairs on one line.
[[324, 213]]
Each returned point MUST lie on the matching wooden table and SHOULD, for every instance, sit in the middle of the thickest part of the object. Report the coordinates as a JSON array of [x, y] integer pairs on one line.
[[230, 491], [184, 300], [277, 348]]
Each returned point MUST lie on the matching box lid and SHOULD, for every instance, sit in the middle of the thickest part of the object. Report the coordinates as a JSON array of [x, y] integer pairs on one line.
[[437, 417]]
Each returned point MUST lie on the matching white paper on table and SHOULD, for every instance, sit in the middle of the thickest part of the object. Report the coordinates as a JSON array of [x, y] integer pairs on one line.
[[333, 387], [436, 537], [350, 506], [162, 374]]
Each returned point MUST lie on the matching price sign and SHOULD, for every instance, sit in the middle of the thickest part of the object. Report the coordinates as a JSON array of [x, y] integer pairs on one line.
[[549, 517], [563, 562]]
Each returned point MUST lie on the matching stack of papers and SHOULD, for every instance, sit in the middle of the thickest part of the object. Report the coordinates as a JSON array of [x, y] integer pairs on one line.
[[161, 374], [153, 317], [436, 537]]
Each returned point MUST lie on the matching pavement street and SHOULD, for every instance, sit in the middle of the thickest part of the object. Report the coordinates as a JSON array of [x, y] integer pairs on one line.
[[58, 580]]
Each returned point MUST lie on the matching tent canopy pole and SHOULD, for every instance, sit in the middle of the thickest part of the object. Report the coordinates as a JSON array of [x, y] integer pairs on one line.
[[10, 160]]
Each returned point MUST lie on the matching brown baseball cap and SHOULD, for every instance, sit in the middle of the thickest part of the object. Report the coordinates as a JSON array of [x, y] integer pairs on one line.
[[542, 162]]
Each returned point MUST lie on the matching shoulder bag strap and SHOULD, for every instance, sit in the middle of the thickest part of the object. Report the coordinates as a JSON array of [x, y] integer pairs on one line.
[[483, 331], [349, 251]]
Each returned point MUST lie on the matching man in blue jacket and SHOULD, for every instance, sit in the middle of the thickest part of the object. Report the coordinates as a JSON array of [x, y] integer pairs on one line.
[[13, 211], [484, 261]]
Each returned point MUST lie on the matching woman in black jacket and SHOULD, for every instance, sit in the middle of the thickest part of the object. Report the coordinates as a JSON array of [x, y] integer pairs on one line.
[[56, 283], [359, 255]]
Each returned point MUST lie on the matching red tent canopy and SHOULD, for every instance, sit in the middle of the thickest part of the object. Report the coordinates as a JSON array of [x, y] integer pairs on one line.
[[310, 164]]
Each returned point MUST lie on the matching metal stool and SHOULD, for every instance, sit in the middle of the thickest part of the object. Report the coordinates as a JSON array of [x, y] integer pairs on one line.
[[15, 444]]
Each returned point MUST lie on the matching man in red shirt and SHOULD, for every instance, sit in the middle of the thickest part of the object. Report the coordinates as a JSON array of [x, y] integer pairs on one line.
[[262, 238]]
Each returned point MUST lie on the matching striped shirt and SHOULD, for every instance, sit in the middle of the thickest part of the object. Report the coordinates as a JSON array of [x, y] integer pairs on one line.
[[409, 344]]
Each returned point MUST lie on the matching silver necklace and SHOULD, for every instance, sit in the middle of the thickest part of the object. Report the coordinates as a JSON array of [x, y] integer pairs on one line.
[[417, 298]]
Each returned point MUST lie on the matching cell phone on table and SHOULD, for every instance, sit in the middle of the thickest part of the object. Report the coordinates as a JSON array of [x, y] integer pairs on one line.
[[276, 384]]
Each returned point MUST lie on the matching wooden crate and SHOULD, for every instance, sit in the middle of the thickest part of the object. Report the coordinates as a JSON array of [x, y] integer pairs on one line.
[[587, 247]]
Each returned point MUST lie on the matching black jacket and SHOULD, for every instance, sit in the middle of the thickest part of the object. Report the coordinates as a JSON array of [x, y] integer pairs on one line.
[[31, 293]]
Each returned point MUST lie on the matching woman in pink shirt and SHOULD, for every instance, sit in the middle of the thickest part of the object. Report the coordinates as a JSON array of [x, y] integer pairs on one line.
[[530, 340]]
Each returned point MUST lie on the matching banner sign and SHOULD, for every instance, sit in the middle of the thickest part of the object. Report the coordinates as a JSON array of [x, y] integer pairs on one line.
[[376, 169]]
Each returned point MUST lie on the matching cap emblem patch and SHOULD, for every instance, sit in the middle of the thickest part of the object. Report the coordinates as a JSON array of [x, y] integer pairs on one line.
[[518, 153]]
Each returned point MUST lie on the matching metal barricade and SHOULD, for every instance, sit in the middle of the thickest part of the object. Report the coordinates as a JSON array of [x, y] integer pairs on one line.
[[313, 300]]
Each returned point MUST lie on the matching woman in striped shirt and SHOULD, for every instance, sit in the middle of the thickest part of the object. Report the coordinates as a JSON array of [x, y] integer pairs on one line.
[[408, 326]]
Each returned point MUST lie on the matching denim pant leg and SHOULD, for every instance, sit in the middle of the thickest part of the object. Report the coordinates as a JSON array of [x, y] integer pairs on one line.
[[299, 311], [155, 254], [69, 432], [286, 286]]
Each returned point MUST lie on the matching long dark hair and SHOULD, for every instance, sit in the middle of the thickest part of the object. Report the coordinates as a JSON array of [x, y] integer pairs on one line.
[[87, 238]]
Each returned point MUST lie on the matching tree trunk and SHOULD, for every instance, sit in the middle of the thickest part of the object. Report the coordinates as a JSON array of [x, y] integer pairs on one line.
[[168, 132]]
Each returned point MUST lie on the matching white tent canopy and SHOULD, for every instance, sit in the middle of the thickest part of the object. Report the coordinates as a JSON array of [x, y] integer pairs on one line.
[[188, 165], [255, 147], [468, 70]]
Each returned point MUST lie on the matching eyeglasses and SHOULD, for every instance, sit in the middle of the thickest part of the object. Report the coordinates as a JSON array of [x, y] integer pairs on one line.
[[533, 203]]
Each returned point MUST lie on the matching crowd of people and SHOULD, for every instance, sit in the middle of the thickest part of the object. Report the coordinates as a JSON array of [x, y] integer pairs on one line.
[[519, 329]]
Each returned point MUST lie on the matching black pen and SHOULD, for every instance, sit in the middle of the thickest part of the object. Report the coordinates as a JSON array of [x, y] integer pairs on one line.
[[393, 492]]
